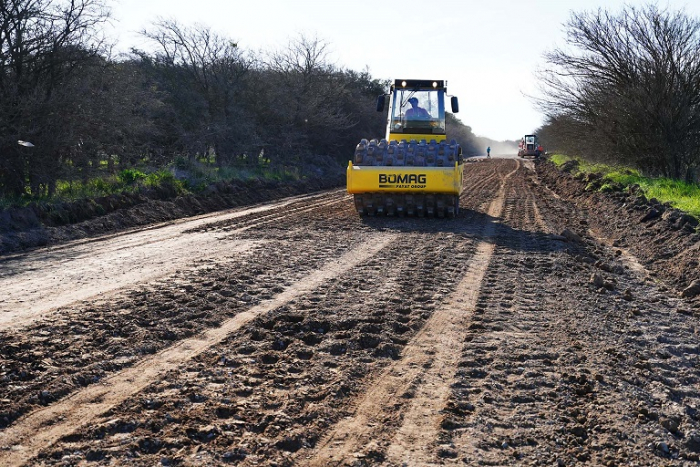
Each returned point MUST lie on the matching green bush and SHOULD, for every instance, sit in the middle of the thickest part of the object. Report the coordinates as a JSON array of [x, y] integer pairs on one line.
[[165, 178], [560, 159], [131, 176]]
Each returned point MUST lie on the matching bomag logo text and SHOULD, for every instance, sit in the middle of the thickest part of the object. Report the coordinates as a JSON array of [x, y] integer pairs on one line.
[[394, 181], [402, 179]]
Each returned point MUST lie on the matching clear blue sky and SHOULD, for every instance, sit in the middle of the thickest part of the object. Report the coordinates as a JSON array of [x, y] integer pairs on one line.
[[486, 50]]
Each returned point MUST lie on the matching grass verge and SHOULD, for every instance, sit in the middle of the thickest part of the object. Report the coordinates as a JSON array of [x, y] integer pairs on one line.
[[681, 195], [182, 177]]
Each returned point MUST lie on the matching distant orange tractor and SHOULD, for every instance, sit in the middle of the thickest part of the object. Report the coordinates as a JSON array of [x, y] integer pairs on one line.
[[530, 146]]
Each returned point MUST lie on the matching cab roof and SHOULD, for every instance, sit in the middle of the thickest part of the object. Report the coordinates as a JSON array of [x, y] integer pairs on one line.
[[420, 84]]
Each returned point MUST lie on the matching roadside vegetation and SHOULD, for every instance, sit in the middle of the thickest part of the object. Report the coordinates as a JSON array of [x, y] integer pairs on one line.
[[678, 193], [181, 177], [625, 91]]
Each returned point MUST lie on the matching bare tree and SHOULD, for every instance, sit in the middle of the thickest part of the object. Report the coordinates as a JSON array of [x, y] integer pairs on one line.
[[308, 96], [43, 45], [204, 71], [628, 87]]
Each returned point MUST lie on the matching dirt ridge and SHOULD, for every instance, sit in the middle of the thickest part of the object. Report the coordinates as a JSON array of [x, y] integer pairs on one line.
[[665, 240], [42, 224]]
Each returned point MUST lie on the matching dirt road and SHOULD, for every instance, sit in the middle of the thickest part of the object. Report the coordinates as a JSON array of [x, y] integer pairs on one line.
[[295, 333]]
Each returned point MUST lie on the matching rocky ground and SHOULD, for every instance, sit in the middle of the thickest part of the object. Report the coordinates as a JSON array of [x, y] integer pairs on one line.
[[545, 325]]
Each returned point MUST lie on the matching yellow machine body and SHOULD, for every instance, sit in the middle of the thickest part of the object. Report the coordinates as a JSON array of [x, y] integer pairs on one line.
[[398, 137], [443, 180]]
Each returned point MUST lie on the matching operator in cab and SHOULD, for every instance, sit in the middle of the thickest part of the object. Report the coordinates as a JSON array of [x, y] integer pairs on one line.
[[416, 112]]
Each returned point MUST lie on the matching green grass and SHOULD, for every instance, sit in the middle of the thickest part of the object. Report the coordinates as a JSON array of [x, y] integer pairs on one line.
[[184, 176], [127, 180], [71, 190], [682, 195]]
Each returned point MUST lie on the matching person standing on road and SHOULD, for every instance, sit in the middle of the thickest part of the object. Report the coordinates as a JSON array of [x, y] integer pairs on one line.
[[488, 152]]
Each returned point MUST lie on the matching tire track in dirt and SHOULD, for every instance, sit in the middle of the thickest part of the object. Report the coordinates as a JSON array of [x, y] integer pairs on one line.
[[276, 385], [552, 202], [506, 362], [558, 372], [29, 435], [481, 178], [85, 343], [85, 270], [423, 374], [255, 219], [522, 209]]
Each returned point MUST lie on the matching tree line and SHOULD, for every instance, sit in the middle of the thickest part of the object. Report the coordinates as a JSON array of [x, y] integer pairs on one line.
[[70, 110], [626, 91]]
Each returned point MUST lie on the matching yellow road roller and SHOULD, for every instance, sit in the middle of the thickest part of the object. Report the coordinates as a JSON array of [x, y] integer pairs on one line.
[[414, 170]]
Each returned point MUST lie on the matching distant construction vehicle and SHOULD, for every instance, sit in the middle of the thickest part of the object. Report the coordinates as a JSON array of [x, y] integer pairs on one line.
[[414, 170], [529, 146]]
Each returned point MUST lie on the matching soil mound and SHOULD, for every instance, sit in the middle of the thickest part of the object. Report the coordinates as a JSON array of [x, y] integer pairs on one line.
[[664, 239]]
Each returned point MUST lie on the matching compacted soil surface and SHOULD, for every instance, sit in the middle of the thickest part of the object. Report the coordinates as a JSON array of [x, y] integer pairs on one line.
[[544, 325]]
